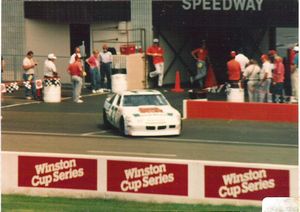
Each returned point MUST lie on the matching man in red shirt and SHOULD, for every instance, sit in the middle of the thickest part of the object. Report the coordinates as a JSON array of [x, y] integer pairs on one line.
[[278, 80], [200, 55], [76, 71], [156, 52], [234, 71]]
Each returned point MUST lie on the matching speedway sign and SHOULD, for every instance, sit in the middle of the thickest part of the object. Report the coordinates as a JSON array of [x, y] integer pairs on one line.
[[223, 5]]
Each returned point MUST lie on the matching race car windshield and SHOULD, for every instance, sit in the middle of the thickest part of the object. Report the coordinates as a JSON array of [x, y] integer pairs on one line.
[[138, 100]]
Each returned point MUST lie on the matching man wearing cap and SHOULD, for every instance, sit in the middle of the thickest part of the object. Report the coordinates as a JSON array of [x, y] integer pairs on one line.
[[156, 52], [49, 67], [105, 67], [201, 55], [28, 65]]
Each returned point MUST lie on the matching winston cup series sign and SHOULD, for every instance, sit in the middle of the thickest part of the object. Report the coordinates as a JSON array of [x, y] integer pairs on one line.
[[150, 178], [245, 183], [55, 172]]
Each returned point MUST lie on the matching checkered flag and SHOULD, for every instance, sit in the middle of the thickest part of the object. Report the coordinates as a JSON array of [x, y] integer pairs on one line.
[[47, 82], [27, 84], [56, 82], [10, 88]]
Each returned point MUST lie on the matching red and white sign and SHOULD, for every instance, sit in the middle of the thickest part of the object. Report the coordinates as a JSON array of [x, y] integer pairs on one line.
[[54, 172], [246, 183], [39, 84], [149, 178], [3, 88]]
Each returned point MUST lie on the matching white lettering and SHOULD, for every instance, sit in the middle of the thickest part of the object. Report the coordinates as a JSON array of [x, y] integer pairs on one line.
[[216, 5], [186, 4], [41, 181], [259, 3], [239, 4], [250, 5], [206, 5], [225, 5], [196, 3]]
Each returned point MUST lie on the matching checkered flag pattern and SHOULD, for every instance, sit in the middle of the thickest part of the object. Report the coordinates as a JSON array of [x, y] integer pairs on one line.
[[27, 84], [49, 82], [10, 88]]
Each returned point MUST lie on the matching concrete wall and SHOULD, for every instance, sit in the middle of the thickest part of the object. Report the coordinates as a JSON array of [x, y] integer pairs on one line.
[[145, 179]]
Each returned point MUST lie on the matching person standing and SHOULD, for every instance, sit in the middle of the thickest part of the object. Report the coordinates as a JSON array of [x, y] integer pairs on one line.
[[294, 74], [94, 64], [105, 67], [50, 67], [76, 71], [28, 65], [242, 59], [251, 73], [76, 52], [265, 79], [200, 55], [233, 71], [157, 54], [278, 80]]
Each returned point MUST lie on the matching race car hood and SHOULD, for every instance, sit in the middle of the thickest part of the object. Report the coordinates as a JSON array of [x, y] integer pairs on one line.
[[149, 110]]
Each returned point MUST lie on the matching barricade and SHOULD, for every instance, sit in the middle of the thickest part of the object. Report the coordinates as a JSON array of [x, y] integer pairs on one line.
[[119, 81], [52, 90]]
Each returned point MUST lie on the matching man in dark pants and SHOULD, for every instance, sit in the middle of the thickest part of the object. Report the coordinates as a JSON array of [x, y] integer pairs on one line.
[[105, 69]]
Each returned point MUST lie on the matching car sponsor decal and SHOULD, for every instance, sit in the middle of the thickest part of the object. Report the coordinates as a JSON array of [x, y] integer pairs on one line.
[[245, 183], [150, 178], [56, 172], [150, 110]]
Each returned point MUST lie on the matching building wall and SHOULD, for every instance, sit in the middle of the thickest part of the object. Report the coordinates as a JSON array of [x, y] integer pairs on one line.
[[12, 37], [44, 37]]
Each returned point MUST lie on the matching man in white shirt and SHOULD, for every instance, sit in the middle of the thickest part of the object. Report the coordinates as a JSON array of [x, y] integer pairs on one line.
[[106, 61], [242, 60], [49, 67], [28, 65], [266, 79], [77, 52]]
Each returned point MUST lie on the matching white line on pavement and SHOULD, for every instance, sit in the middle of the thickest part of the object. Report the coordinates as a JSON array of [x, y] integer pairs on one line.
[[93, 133], [156, 139], [133, 153], [21, 104]]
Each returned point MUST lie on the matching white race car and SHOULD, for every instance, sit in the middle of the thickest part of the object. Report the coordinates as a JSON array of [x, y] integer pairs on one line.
[[141, 113]]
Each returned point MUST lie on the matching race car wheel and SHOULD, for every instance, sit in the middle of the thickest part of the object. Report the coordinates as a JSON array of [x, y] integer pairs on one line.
[[105, 121], [122, 126]]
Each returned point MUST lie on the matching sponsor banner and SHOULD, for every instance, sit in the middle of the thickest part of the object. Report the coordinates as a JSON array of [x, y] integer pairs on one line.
[[56, 172], [149, 178], [245, 183]]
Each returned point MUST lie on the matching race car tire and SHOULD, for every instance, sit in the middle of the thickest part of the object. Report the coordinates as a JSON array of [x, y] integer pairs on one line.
[[122, 126], [105, 121]]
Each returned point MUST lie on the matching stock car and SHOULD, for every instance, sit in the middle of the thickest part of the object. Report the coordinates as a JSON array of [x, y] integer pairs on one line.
[[141, 113]]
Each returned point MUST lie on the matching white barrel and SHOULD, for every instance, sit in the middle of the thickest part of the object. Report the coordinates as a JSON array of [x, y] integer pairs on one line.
[[235, 95], [52, 90], [118, 83]]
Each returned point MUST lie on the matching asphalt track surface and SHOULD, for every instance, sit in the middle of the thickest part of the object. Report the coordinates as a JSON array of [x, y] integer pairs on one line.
[[67, 127]]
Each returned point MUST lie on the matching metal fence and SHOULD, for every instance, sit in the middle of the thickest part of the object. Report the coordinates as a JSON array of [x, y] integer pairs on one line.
[[14, 72]]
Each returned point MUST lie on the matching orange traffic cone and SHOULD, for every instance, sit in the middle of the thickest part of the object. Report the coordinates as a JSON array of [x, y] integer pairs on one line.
[[177, 87]]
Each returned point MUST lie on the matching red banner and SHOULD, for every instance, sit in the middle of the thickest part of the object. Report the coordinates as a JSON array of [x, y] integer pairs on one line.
[[54, 172], [149, 178], [246, 183]]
